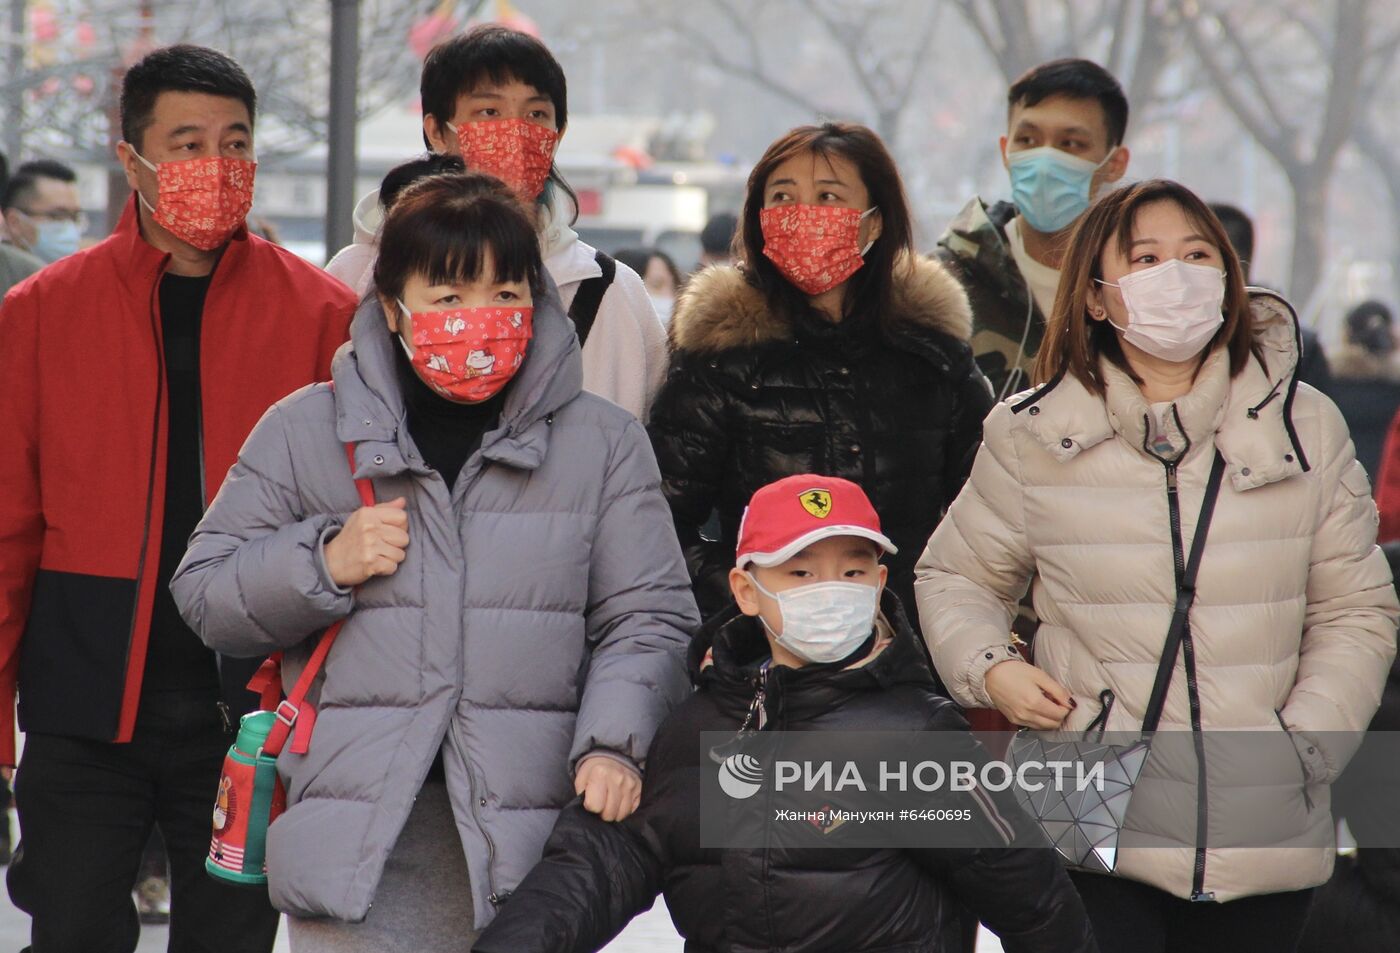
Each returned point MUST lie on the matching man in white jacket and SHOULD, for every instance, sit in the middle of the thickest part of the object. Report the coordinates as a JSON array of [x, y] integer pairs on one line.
[[498, 99]]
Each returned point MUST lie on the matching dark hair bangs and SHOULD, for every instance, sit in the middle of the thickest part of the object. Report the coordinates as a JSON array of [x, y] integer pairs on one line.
[[486, 248], [457, 229]]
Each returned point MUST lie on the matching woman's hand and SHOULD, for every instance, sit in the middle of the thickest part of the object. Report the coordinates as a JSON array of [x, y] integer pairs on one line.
[[610, 789], [371, 543], [1026, 695]]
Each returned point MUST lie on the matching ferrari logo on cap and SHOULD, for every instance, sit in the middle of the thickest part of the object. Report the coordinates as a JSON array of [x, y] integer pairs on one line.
[[817, 502]]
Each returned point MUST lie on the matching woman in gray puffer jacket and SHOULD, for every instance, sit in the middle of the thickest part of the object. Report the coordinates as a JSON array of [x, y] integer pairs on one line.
[[518, 604]]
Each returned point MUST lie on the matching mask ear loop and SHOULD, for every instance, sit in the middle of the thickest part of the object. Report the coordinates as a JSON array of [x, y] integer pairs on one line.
[[150, 165], [1112, 323], [863, 216], [408, 316], [771, 595]]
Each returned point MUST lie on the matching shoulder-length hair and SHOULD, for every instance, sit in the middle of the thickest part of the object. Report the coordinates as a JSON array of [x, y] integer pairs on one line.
[[871, 288], [445, 228], [1074, 342]]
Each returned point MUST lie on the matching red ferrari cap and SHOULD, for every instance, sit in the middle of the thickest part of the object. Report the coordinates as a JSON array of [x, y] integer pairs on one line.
[[787, 516]]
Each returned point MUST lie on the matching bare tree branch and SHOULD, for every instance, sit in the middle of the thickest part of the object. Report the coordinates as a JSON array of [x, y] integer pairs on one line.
[[1279, 146]]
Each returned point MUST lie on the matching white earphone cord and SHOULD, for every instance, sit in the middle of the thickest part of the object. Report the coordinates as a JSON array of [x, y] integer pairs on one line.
[[1015, 374]]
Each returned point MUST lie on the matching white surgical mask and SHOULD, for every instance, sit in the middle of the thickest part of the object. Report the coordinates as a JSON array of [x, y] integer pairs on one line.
[[664, 305], [1173, 308], [824, 621]]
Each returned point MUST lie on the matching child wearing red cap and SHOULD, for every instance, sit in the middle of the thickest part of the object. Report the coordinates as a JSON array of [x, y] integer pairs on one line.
[[812, 642]]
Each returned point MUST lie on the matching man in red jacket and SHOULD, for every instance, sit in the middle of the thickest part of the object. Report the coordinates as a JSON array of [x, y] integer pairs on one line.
[[130, 373]]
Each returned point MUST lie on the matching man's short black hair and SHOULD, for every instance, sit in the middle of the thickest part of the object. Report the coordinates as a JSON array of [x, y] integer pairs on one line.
[[1240, 230], [20, 187], [48, 169], [1076, 79], [179, 69], [494, 54]]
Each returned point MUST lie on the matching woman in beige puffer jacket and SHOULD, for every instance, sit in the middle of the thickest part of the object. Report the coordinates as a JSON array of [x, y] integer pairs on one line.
[[1293, 625]]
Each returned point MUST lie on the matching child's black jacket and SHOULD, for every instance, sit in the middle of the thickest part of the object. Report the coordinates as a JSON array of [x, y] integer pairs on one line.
[[596, 876]]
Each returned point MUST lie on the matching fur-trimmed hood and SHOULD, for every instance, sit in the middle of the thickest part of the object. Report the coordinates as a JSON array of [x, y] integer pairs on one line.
[[719, 310], [1353, 362]]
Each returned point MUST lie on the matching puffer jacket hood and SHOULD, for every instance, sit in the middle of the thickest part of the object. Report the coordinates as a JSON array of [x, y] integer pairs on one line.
[[540, 614], [1354, 362], [892, 402], [1249, 417], [1293, 625], [367, 217]]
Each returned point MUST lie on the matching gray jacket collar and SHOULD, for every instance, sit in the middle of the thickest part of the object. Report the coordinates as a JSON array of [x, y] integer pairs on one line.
[[370, 409]]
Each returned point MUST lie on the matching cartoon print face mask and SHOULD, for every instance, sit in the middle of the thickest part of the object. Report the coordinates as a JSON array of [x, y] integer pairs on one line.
[[468, 354]]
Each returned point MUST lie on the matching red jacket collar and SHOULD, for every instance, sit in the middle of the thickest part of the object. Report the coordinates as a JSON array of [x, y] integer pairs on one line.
[[143, 262]]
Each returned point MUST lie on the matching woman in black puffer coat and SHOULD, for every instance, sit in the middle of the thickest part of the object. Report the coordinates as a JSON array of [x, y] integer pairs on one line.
[[870, 378], [798, 899]]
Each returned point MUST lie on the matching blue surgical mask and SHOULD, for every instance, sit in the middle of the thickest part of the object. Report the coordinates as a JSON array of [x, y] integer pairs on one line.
[[55, 240], [1051, 187]]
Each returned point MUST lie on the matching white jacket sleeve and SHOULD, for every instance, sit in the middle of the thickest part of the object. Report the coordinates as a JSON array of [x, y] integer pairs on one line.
[[976, 568], [1349, 630], [624, 359]]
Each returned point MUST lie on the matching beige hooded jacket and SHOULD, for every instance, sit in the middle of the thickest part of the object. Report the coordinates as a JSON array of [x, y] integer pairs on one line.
[[1294, 621]]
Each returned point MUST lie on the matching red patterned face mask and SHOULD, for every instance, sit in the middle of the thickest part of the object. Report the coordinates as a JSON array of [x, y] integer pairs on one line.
[[202, 201], [517, 152], [468, 354], [816, 247]]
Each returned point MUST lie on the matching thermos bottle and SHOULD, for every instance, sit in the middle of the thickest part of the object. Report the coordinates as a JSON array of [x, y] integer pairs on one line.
[[250, 798]]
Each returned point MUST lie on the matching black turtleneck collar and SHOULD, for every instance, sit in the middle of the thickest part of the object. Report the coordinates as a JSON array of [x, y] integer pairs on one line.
[[445, 432]]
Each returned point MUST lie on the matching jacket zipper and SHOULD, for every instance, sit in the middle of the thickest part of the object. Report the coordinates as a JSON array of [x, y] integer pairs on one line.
[[762, 700], [199, 388], [1193, 695], [152, 310], [496, 899]]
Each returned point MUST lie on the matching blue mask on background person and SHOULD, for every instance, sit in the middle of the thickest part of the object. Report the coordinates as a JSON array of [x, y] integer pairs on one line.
[[55, 240], [1050, 187]]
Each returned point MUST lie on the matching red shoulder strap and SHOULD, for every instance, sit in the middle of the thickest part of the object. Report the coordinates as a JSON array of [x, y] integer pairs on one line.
[[268, 680]]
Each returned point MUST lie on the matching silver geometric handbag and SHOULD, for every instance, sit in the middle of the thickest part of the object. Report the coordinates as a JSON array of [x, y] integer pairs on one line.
[[1084, 825]]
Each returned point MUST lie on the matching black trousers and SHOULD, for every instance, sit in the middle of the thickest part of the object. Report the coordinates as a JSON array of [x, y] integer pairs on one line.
[[1132, 917], [86, 809]]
